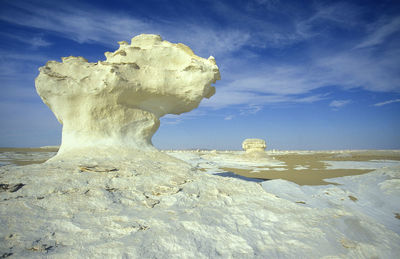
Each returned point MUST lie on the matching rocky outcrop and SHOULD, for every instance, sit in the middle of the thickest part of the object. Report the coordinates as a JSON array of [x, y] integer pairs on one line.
[[254, 145], [116, 104]]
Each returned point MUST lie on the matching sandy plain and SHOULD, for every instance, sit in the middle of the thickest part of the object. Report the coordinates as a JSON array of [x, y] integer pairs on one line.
[[301, 167], [312, 168]]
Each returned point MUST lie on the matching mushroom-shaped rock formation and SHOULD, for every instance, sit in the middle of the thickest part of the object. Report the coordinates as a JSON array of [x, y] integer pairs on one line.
[[117, 103], [251, 145]]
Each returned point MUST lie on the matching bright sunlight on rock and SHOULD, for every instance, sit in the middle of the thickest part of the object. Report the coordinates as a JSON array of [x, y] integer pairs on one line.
[[116, 104], [254, 145]]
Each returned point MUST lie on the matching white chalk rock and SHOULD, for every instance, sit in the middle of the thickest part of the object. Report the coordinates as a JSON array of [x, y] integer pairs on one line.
[[154, 209], [117, 103], [254, 145]]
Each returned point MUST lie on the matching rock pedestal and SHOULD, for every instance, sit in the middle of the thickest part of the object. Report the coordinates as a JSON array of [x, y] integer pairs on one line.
[[251, 145], [117, 103]]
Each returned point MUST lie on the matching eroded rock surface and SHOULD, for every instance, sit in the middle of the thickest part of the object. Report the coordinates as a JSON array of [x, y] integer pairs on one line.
[[160, 210], [116, 104], [152, 207], [254, 145]]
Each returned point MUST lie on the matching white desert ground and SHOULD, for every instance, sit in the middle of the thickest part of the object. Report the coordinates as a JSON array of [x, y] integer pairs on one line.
[[159, 208], [108, 193]]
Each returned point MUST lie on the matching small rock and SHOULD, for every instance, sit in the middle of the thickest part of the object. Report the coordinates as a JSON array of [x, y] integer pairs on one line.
[[254, 145]]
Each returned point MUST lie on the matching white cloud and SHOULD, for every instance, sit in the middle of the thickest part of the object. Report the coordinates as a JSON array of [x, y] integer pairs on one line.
[[22, 56], [246, 80], [339, 103], [78, 24], [250, 109], [229, 117], [339, 14], [226, 97], [342, 13], [173, 119], [207, 41], [364, 69], [279, 79], [91, 25], [19, 66], [34, 41], [268, 83], [387, 102], [380, 32], [37, 42]]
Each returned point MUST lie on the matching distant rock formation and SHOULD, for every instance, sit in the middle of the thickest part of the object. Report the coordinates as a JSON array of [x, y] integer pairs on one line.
[[251, 145], [117, 103]]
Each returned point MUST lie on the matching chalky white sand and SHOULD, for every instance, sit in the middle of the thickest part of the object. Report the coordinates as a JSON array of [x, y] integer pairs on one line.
[[159, 207]]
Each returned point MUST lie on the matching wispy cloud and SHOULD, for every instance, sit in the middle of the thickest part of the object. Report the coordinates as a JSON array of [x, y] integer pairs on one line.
[[274, 30], [362, 69], [22, 56], [229, 117], [336, 104], [327, 16], [89, 24], [380, 31], [229, 98], [13, 65], [250, 109], [246, 79], [277, 82], [93, 25], [387, 102], [80, 25], [173, 119], [34, 41]]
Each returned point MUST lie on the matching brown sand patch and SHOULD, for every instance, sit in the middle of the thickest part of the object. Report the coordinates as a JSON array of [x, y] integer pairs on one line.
[[316, 170], [24, 150], [300, 177], [314, 160], [25, 155]]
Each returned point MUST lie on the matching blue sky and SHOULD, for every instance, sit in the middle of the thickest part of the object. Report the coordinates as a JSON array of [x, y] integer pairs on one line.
[[299, 74]]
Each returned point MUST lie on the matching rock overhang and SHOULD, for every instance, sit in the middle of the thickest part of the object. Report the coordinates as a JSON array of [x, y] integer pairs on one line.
[[118, 102]]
